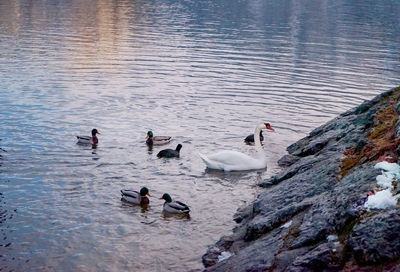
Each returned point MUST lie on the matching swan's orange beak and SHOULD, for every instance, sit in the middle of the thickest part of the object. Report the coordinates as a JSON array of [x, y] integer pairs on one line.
[[268, 126]]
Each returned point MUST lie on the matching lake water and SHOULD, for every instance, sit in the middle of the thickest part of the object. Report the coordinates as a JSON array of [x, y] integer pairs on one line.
[[203, 72]]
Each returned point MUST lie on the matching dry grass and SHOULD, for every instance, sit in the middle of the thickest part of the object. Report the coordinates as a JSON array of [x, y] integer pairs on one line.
[[381, 137]]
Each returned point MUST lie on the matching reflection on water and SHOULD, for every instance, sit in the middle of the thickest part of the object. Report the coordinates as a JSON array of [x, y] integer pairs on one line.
[[174, 216], [204, 72]]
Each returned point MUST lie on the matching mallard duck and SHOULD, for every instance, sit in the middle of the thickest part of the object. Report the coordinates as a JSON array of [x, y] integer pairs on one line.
[[157, 140], [170, 153], [250, 139], [174, 206], [136, 197], [229, 160], [89, 140]]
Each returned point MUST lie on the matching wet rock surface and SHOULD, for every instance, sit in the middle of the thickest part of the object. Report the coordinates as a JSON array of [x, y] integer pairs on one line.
[[319, 194]]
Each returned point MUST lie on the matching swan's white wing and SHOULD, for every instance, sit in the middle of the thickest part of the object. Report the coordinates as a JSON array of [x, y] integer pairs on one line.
[[230, 160], [229, 157], [212, 163]]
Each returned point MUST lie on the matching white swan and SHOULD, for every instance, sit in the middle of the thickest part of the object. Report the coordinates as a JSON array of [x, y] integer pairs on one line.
[[229, 160]]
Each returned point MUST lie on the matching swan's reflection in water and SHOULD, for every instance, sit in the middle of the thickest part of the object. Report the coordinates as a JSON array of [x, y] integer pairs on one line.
[[234, 177]]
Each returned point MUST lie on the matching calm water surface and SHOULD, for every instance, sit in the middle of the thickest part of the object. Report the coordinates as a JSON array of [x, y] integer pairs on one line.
[[204, 72]]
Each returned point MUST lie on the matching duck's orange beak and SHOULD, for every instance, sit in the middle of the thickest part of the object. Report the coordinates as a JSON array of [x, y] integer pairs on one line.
[[268, 126], [98, 132], [147, 136], [148, 194]]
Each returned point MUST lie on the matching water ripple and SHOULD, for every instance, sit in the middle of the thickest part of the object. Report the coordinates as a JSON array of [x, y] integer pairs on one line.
[[204, 73]]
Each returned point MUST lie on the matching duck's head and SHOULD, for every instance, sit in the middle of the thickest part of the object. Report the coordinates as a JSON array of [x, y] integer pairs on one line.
[[166, 197], [268, 126], [94, 132], [144, 191], [149, 134], [178, 147]]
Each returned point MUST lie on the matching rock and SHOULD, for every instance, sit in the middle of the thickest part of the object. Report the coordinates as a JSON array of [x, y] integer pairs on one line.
[[287, 160], [321, 190], [376, 239], [315, 145], [326, 256], [211, 257], [250, 257], [392, 267]]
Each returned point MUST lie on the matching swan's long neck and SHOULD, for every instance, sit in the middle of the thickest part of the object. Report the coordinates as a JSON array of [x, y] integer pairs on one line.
[[257, 141]]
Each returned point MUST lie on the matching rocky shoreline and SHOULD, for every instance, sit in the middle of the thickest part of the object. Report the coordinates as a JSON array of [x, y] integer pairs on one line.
[[312, 215]]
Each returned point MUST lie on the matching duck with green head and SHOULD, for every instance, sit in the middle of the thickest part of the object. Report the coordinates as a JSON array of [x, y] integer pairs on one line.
[[89, 139], [136, 197], [172, 206], [156, 140]]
